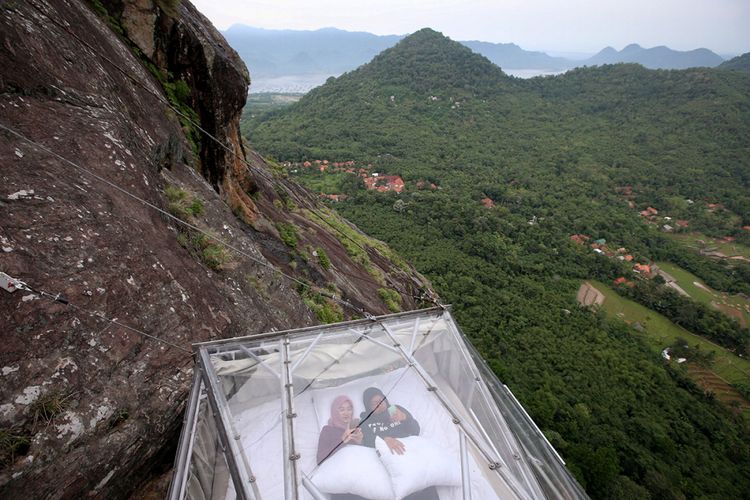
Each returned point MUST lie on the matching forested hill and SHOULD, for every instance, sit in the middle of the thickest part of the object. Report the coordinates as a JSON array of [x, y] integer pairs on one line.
[[684, 131], [499, 173], [739, 63]]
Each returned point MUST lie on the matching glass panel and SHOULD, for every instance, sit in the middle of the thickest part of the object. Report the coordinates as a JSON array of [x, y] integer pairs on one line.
[[548, 467], [339, 379], [208, 476], [249, 378], [330, 376], [446, 361]]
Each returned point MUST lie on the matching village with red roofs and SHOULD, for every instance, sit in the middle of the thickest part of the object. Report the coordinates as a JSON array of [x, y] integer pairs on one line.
[[373, 181], [652, 216]]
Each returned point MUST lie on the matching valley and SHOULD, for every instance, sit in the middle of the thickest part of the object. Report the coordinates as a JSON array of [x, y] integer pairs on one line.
[[520, 166]]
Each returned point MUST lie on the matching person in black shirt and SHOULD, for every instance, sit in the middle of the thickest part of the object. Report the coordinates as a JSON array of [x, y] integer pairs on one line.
[[390, 422]]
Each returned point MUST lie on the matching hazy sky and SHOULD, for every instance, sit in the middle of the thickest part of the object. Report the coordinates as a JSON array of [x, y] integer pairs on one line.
[[552, 25]]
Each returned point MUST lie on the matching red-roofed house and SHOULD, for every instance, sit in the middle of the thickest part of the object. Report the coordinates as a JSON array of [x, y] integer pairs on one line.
[[629, 258], [682, 223], [579, 239], [643, 269], [488, 203], [334, 197], [385, 183], [620, 281]]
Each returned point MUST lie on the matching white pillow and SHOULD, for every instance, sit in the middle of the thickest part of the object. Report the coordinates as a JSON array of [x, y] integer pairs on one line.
[[356, 470], [422, 465]]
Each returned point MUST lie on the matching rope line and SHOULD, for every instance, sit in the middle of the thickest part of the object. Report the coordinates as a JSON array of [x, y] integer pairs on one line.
[[98, 315], [176, 219]]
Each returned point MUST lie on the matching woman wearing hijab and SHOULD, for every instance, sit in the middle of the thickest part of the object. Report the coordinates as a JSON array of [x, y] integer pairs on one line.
[[342, 429]]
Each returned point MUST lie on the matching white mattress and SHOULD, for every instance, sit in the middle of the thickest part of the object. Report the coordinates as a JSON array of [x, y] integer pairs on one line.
[[260, 430]]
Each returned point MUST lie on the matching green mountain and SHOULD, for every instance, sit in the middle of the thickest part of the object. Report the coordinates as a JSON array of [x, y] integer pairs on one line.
[[685, 131], [556, 157], [739, 63]]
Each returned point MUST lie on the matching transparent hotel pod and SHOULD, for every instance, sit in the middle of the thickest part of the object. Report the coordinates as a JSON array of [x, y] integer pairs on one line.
[[259, 403]]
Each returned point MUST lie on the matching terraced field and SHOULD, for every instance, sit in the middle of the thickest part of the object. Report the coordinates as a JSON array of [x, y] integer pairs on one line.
[[710, 382], [659, 332]]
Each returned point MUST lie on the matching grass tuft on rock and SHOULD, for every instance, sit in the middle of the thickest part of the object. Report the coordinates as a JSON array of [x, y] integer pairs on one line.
[[391, 298], [212, 254]]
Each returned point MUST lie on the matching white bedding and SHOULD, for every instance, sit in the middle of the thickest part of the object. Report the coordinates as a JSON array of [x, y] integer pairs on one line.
[[260, 430]]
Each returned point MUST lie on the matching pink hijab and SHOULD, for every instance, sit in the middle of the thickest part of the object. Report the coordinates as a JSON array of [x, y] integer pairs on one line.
[[335, 420]]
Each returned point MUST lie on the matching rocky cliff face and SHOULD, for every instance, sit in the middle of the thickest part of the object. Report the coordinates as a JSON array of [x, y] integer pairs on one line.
[[89, 407]]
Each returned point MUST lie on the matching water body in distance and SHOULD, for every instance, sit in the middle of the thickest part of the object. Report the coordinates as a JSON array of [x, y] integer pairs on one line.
[[531, 73], [301, 84]]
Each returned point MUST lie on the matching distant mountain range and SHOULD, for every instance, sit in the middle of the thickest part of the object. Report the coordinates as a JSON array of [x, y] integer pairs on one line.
[[511, 56], [281, 53], [655, 58], [275, 53]]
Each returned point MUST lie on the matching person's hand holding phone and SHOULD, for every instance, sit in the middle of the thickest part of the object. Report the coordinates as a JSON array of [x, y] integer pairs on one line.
[[396, 414], [354, 435]]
